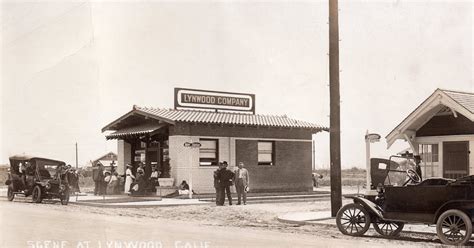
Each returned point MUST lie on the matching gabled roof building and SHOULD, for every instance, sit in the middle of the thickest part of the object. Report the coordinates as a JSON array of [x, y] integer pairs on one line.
[[441, 130]]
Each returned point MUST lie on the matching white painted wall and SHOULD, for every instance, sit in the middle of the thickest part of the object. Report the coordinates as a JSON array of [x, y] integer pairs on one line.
[[185, 160], [440, 139]]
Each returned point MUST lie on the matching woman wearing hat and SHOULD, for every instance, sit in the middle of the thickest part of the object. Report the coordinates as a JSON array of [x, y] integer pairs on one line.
[[129, 177]]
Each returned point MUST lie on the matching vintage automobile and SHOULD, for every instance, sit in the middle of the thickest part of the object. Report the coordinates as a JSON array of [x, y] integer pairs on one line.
[[41, 178], [404, 198]]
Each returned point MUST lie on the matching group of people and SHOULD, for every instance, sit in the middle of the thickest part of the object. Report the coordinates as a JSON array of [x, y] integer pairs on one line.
[[63, 172], [139, 183], [71, 176], [225, 178], [106, 182]]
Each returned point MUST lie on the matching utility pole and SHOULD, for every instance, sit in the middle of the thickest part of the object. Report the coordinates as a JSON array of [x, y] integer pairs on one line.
[[76, 157], [334, 96]]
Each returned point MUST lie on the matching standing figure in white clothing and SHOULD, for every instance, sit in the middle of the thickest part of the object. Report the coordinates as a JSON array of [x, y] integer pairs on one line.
[[241, 180], [129, 177]]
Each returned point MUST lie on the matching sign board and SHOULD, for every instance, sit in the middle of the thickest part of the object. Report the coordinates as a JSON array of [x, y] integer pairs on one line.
[[193, 145], [205, 99]]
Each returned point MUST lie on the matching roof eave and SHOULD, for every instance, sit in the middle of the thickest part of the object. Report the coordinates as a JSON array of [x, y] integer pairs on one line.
[[123, 117], [436, 98], [132, 112], [317, 129]]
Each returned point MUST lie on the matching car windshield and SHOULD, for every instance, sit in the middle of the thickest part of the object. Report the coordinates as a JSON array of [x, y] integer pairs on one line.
[[46, 169], [397, 175]]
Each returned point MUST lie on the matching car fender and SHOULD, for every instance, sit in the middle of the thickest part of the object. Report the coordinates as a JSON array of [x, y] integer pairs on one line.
[[457, 204], [368, 205]]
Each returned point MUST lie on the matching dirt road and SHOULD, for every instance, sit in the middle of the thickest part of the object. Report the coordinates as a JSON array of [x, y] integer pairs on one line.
[[26, 224]]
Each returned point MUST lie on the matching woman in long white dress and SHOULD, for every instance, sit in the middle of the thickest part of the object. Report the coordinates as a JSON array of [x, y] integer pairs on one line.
[[129, 177]]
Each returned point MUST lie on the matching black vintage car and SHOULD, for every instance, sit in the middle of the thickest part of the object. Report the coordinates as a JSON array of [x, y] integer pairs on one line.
[[404, 198], [42, 178]]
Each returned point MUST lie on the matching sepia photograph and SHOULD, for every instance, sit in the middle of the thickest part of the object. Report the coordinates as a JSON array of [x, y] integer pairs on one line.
[[236, 123]]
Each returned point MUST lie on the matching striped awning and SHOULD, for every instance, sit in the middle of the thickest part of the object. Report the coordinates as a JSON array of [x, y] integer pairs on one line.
[[134, 131]]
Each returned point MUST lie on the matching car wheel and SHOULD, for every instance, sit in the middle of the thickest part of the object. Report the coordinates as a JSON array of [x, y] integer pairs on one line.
[[388, 228], [37, 194], [65, 198], [353, 220], [454, 227], [10, 194]]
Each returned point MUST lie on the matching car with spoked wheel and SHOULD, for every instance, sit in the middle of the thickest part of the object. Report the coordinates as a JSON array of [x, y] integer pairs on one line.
[[40, 178], [403, 197]]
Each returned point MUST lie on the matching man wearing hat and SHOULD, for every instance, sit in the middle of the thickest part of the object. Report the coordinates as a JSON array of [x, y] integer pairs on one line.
[[225, 177], [216, 183], [98, 177], [129, 177]]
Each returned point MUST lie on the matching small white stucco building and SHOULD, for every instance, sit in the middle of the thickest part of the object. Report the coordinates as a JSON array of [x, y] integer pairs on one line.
[[441, 130]]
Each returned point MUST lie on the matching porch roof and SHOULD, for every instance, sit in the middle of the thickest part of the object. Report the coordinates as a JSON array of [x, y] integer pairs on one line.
[[134, 131], [439, 103]]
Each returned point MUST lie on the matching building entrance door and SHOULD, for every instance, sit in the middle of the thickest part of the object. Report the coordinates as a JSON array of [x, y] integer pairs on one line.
[[455, 159], [152, 160]]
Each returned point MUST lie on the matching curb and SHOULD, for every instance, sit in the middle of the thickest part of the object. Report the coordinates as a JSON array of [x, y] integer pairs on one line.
[[304, 222], [99, 205], [277, 200], [311, 222], [293, 222]]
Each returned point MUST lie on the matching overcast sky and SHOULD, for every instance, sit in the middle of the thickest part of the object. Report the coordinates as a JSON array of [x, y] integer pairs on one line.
[[70, 68]]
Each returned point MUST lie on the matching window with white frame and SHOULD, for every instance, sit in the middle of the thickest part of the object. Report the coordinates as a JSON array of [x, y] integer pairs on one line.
[[209, 152], [266, 153], [429, 160]]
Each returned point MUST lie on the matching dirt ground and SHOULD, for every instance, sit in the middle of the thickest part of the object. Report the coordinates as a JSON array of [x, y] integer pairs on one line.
[[253, 216]]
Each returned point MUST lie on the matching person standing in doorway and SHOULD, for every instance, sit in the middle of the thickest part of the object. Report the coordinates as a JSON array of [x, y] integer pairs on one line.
[[225, 177], [154, 177], [129, 177], [241, 180], [140, 178]]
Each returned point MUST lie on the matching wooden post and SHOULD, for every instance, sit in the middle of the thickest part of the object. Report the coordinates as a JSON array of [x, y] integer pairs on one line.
[[76, 157], [335, 125]]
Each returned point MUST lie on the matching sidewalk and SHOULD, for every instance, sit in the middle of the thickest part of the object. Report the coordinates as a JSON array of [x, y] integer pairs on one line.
[[124, 201], [119, 201], [324, 218]]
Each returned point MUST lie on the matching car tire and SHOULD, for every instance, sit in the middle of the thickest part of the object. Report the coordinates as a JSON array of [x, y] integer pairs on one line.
[[65, 198], [388, 228], [353, 220], [454, 227], [37, 194], [10, 194]]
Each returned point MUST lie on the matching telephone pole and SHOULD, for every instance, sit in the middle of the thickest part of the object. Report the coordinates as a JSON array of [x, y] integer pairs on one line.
[[334, 96], [76, 157]]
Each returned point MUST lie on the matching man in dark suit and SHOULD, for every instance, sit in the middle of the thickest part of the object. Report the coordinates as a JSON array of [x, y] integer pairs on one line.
[[98, 177], [216, 183], [225, 177]]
